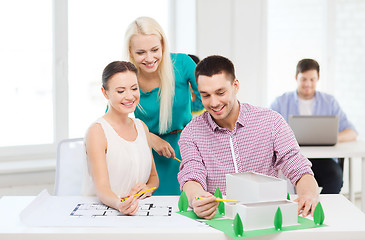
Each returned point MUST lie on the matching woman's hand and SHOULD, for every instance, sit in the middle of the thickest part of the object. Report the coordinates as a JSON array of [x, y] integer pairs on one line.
[[140, 187], [129, 206], [161, 146]]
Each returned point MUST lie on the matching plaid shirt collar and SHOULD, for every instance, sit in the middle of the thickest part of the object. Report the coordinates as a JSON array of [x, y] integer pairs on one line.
[[239, 123]]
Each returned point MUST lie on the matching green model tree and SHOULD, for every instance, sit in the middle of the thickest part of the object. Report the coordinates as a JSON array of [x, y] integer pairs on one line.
[[183, 202], [318, 215], [237, 226], [278, 220], [218, 194]]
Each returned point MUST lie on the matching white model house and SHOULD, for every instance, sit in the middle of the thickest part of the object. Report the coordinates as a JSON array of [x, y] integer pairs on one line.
[[259, 197]]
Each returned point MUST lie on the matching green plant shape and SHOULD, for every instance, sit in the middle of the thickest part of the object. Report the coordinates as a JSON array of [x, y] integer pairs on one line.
[[183, 202], [218, 193], [288, 196], [318, 215], [221, 209], [278, 220], [237, 226]]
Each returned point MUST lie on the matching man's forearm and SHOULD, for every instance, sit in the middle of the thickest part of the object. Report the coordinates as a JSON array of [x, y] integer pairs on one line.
[[193, 189], [307, 185], [347, 135]]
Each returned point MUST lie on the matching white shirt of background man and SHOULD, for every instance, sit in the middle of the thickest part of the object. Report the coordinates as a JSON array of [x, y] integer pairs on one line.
[[306, 106]]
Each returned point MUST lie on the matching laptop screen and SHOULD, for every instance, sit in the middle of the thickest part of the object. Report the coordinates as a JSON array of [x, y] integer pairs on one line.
[[314, 130]]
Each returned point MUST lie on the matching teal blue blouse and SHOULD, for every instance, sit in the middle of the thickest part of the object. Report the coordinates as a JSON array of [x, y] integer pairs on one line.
[[184, 68]]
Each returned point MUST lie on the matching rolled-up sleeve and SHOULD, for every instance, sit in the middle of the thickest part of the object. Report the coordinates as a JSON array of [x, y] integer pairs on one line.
[[288, 157], [192, 167]]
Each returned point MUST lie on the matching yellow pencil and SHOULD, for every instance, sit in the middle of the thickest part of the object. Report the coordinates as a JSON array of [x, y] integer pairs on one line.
[[137, 194], [219, 199], [177, 159]]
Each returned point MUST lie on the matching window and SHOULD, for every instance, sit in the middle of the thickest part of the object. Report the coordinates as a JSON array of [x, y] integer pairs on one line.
[[26, 73], [35, 53], [348, 60], [331, 32], [296, 30]]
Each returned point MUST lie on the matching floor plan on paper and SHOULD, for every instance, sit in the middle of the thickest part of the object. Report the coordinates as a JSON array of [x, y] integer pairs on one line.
[[99, 210]]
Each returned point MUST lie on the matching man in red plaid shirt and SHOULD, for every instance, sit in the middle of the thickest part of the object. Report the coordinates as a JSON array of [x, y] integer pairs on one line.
[[237, 137]]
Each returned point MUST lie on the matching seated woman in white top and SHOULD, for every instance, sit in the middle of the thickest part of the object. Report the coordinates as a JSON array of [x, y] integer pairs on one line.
[[120, 162]]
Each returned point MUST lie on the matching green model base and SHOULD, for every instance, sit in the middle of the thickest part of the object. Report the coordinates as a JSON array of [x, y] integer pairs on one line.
[[225, 225]]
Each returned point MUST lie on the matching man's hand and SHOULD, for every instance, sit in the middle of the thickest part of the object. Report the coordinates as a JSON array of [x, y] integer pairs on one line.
[[307, 189], [306, 205], [206, 207], [203, 208]]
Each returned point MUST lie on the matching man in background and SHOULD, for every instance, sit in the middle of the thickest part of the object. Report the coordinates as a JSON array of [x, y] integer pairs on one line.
[[306, 100]]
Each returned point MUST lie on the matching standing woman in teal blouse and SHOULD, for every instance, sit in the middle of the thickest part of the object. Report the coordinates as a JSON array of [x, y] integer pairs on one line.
[[165, 101]]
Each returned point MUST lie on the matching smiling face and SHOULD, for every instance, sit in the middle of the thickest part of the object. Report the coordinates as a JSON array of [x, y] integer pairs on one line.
[[218, 94], [146, 50], [123, 92], [307, 82]]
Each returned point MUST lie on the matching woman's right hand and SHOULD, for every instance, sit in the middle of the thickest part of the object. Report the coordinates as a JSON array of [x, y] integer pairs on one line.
[[161, 146], [129, 206]]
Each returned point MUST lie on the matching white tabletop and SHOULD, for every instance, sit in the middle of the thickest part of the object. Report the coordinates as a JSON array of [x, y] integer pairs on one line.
[[344, 221], [340, 150], [351, 150]]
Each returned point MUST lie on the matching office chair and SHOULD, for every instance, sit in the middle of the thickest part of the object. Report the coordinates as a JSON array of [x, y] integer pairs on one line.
[[341, 162], [71, 164]]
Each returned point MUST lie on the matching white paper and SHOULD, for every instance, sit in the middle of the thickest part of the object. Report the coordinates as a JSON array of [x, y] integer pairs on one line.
[[56, 211]]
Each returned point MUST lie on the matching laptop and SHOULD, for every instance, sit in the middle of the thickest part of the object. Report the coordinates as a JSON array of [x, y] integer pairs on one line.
[[314, 130]]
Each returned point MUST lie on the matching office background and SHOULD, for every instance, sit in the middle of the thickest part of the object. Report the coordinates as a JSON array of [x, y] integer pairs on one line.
[[53, 53]]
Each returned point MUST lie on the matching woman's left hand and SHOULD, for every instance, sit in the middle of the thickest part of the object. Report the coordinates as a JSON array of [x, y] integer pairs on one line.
[[140, 187]]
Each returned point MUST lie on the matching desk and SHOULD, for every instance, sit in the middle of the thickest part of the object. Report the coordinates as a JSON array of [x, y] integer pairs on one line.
[[348, 150], [344, 221]]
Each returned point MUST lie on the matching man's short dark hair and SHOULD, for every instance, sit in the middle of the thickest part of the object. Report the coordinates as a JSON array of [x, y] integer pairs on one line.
[[213, 65], [306, 65]]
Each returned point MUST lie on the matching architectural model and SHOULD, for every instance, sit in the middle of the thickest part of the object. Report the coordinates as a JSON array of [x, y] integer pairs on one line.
[[259, 198]]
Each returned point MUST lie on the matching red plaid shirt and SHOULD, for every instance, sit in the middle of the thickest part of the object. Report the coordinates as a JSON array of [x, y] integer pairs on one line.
[[262, 142]]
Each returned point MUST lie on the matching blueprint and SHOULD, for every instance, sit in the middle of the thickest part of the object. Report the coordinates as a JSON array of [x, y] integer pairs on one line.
[[99, 210], [80, 211]]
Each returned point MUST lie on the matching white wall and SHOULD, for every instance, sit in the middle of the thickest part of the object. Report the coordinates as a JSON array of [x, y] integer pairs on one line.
[[184, 26], [236, 29], [296, 30]]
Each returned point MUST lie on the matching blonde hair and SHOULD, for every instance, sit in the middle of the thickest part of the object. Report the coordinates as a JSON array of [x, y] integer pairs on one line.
[[148, 26]]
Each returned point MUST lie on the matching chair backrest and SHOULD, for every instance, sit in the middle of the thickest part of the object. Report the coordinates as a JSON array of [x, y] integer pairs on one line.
[[71, 164]]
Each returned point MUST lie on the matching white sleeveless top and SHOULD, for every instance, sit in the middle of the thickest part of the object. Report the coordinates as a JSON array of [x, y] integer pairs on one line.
[[128, 162]]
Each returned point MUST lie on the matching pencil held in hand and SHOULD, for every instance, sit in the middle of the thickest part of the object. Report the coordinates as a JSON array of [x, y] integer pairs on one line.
[[177, 159], [137, 194], [219, 199]]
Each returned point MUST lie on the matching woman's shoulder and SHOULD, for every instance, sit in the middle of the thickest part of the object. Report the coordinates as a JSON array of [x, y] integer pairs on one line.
[[141, 123], [183, 64], [179, 57], [95, 135], [94, 129]]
